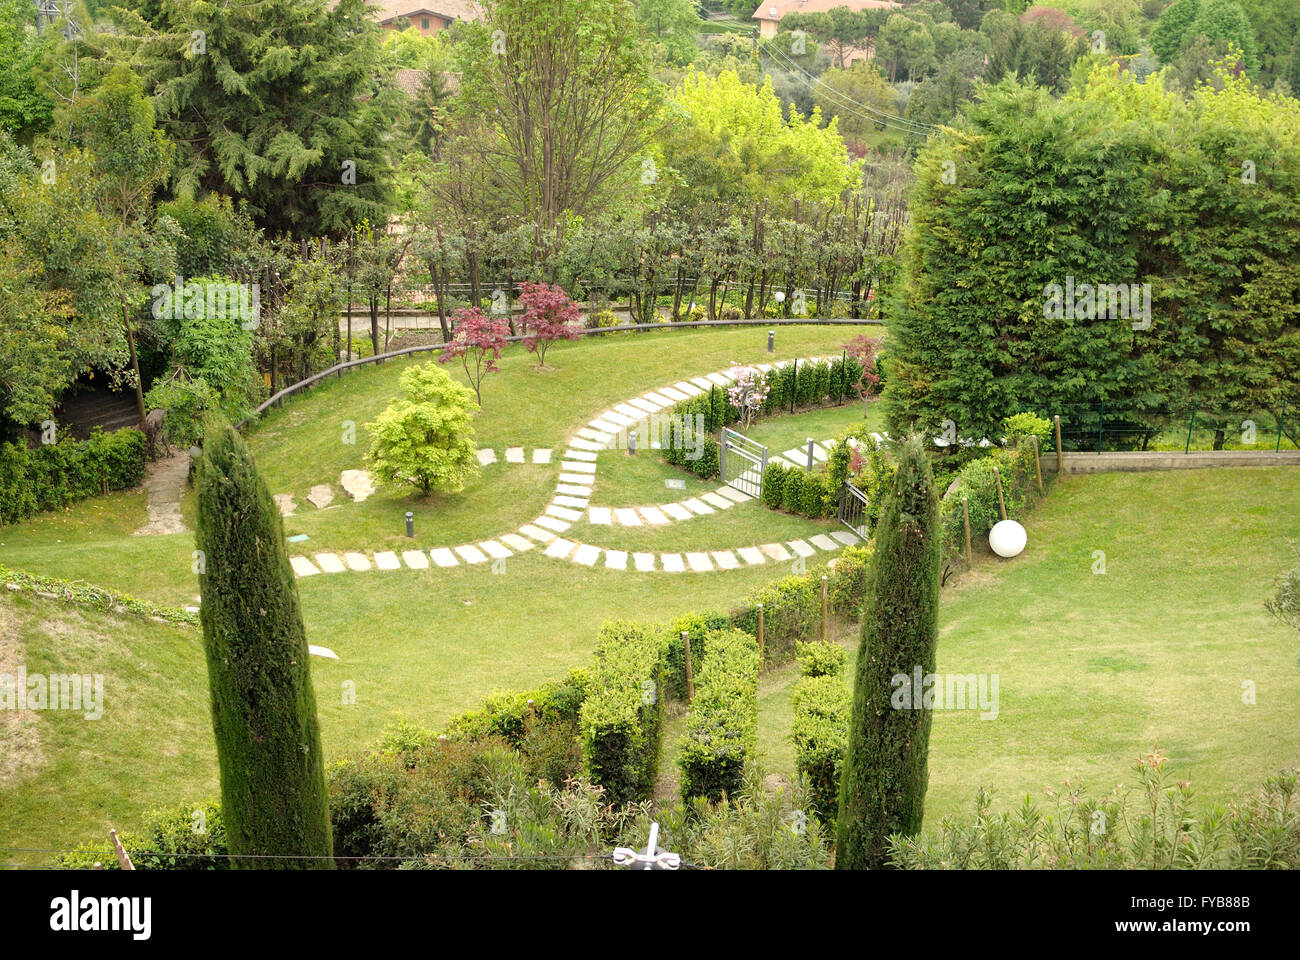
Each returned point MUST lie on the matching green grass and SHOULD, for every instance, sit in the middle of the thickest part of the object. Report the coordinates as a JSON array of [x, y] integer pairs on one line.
[[783, 433]]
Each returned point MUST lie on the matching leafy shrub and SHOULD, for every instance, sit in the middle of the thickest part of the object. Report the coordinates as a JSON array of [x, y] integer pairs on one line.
[[822, 705], [83, 593], [622, 716], [52, 476], [1024, 425], [791, 612], [425, 439], [847, 588], [698, 626], [820, 658], [979, 487], [505, 714], [190, 836], [774, 485], [792, 497], [722, 729], [601, 319], [1162, 828]]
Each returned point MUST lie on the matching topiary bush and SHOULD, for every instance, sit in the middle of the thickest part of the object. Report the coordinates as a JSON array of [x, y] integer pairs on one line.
[[621, 717], [791, 612], [774, 485], [792, 496], [722, 729], [820, 658]]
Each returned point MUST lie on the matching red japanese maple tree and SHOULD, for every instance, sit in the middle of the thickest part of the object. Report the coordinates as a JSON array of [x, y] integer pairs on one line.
[[549, 315], [478, 340]]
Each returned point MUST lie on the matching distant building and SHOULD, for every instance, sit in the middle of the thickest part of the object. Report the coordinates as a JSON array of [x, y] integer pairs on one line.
[[430, 16], [770, 12]]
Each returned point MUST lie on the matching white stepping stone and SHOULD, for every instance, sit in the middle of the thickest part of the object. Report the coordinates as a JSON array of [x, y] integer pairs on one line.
[[616, 559], [696, 506], [619, 420], [604, 426], [571, 466], [718, 379], [602, 515], [672, 562], [324, 652], [576, 478], [356, 561], [415, 559], [517, 542], [285, 502], [302, 566], [643, 561], [818, 453], [487, 455], [565, 500], [672, 393], [751, 555], [321, 496], [713, 500], [775, 550], [653, 515], [648, 406], [660, 397], [387, 560], [677, 511], [688, 388], [550, 523], [537, 533], [702, 384], [514, 454], [699, 562], [628, 517], [443, 557], [845, 537], [496, 551], [582, 443], [799, 457], [734, 495], [801, 548], [586, 554], [823, 542], [634, 414], [358, 484], [596, 436], [560, 548], [330, 563], [542, 455], [471, 553], [764, 367], [572, 490], [564, 513], [581, 454], [725, 559]]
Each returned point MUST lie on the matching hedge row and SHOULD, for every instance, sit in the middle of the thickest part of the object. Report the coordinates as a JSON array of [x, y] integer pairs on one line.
[[722, 729], [188, 836], [508, 714], [621, 717], [791, 612], [33, 479], [822, 704], [83, 593], [977, 484], [797, 491], [811, 382]]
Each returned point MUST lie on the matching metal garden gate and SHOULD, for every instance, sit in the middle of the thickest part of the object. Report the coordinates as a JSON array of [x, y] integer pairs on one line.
[[853, 509], [741, 461]]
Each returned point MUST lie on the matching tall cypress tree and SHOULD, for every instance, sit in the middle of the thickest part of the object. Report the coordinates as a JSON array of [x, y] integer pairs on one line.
[[263, 706], [882, 788]]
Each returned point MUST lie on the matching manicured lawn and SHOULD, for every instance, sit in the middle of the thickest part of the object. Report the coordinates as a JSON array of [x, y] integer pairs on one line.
[[782, 433]]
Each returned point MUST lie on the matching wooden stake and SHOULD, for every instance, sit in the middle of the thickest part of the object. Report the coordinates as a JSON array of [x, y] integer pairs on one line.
[[1059, 465], [690, 677], [825, 579], [1002, 507], [1038, 470], [760, 636], [123, 859], [965, 516]]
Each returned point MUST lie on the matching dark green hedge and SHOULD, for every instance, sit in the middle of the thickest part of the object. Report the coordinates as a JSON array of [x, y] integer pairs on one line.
[[621, 718], [699, 626], [506, 714], [822, 705], [52, 476], [791, 612], [722, 729]]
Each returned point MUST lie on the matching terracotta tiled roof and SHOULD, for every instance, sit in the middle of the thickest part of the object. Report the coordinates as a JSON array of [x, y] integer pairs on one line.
[[446, 9], [776, 9]]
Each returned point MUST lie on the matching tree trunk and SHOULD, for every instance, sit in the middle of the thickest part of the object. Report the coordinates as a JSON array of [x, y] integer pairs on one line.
[[135, 363]]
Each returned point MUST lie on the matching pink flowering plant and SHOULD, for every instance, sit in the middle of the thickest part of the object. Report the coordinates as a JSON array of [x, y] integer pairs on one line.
[[865, 350], [549, 315], [477, 343], [747, 393]]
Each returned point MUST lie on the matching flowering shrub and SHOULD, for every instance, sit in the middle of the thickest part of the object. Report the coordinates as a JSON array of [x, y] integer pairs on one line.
[[479, 340], [866, 350], [549, 315], [748, 393]]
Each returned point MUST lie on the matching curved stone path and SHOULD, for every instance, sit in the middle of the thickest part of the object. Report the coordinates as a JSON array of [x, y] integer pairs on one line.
[[572, 498]]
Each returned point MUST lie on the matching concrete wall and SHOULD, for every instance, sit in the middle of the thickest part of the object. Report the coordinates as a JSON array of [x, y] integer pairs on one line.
[[1132, 461]]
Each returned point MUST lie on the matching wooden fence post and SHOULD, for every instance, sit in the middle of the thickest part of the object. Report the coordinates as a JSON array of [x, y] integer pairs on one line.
[[690, 677], [1002, 507], [1060, 464], [123, 859], [965, 516], [760, 636], [1038, 470]]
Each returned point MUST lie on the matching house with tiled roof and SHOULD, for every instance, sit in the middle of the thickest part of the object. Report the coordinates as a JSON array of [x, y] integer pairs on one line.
[[426, 16], [770, 12]]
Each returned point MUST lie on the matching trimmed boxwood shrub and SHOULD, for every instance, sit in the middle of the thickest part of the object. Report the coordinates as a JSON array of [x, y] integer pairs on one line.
[[52, 476], [505, 714], [820, 658], [791, 612], [822, 705], [847, 589], [774, 485], [722, 729], [699, 626], [621, 718], [792, 491]]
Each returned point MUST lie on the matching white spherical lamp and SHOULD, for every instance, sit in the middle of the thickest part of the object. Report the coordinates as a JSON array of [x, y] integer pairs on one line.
[[1007, 538]]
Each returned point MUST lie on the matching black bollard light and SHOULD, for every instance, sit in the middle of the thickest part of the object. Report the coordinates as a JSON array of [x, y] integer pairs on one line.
[[631, 441], [410, 524]]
